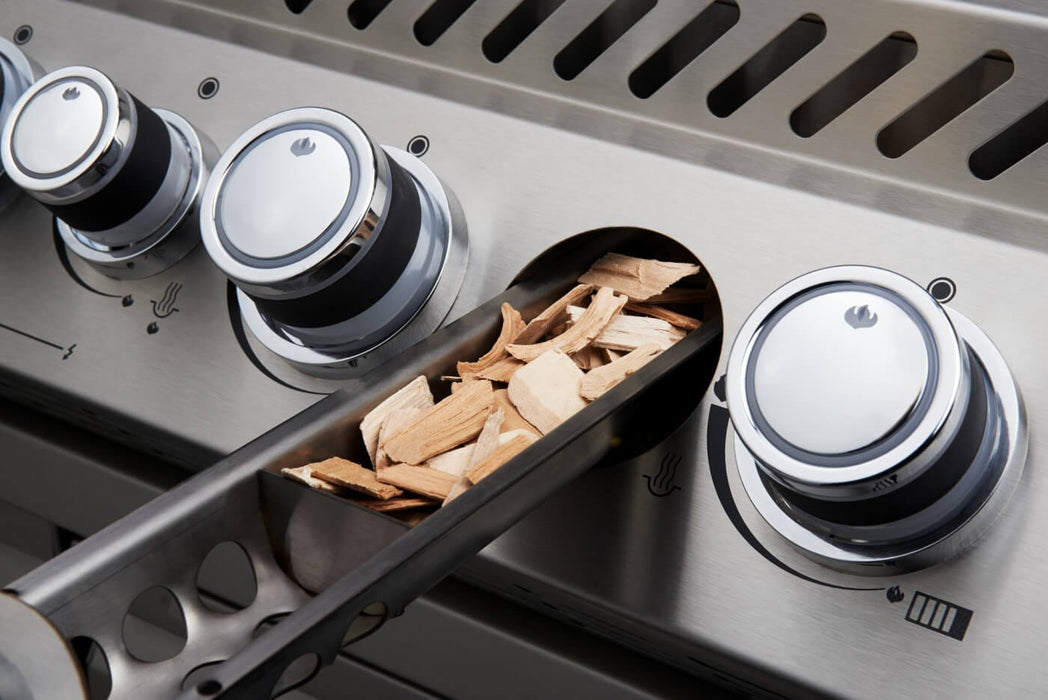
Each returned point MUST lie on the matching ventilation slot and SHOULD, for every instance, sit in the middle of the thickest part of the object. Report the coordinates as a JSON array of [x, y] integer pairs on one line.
[[943, 104], [685, 46], [438, 19], [595, 39], [361, 13], [297, 6], [854, 83], [1011, 145], [766, 65], [516, 27]]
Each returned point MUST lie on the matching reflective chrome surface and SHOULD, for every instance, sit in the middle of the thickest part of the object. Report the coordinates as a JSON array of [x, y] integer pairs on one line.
[[17, 74], [664, 571]]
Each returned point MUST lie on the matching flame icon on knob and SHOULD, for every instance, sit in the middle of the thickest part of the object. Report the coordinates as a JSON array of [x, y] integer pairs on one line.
[[303, 146], [71, 93], [860, 317]]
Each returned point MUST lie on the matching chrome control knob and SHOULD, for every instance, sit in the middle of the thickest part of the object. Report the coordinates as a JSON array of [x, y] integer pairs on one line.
[[16, 75], [339, 248], [873, 425], [122, 179]]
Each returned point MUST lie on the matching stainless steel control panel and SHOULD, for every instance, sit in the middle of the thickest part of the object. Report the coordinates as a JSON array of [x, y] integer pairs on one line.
[[665, 553]]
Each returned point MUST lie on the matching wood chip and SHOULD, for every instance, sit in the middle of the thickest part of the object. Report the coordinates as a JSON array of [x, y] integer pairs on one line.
[[350, 475], [501, 371], [428, 482], [540, 325], [682, 296], [304, 475], [628, 333], [500, 456], [604, 307], [415, 393], [638, 278], [590, 357], [546, 391], [397, 419], [672, 317], [396, 504], [487, 441], [604, 378], [453, 462], [458, 488], [512, 326], [513, 420], [452, 422]]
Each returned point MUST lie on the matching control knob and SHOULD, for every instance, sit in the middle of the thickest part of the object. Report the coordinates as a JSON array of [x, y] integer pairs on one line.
[[16, 75], [339, 248], [873, 426], [121, 179]]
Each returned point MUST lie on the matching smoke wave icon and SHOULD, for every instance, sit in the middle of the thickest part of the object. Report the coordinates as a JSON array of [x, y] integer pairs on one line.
[[860, 317], [303, 146], [661, 483], [166, 306]]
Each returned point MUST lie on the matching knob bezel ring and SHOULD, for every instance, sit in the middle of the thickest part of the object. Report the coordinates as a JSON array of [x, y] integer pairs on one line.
[[92, 169], [368, 201], [446, 219], [17, 80], [944, 543], [175, 238], [940, 419]]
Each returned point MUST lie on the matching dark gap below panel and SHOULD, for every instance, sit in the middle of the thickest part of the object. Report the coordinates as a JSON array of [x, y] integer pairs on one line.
[[933, 111], [1007, 148], [361, 13], [601, 33], [297, 6], [516, 27], [774, 59], [853, 83], [684, 47], [438, 18]]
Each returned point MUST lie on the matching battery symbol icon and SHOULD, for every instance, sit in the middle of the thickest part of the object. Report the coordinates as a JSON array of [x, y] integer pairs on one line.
[[939, 615]]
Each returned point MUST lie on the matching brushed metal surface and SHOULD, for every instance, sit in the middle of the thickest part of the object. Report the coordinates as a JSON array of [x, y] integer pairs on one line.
[[535, 160]]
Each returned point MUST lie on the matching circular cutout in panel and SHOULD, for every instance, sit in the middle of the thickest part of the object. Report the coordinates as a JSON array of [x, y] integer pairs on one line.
[[154, 627], [226, 579], [693, 297], [199, 675], [299, 671], [367, 621], [95, 666]]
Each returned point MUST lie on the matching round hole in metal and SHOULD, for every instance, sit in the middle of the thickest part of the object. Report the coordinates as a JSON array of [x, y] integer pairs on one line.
[[226, 579], [154, 627], [196, 677], [95, 666], [297, 672]]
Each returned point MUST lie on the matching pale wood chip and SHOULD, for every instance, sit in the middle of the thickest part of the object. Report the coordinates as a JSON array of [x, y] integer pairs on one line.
[[428, 482], [487, 441], [304, 475], [672, 317], [627, 333], [394, 422], [460, 384], [540, 325], [512, 325], [454, 421], [546, 391], [458, 488], [590, 357], [605, 306], [503, 454], [350, 475], [454, 461], [414, 393], [513, 420], [612, 355], [638, 278], [501, 371], [682, 296], [604, 378], [397, 504]]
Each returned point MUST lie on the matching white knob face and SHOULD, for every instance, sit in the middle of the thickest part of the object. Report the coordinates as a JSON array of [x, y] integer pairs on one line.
[[58, 127], [289, 189], [840, 369], [868, 427]]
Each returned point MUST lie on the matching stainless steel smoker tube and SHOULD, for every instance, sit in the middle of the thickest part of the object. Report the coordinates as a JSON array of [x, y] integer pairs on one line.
[[363, 567]]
